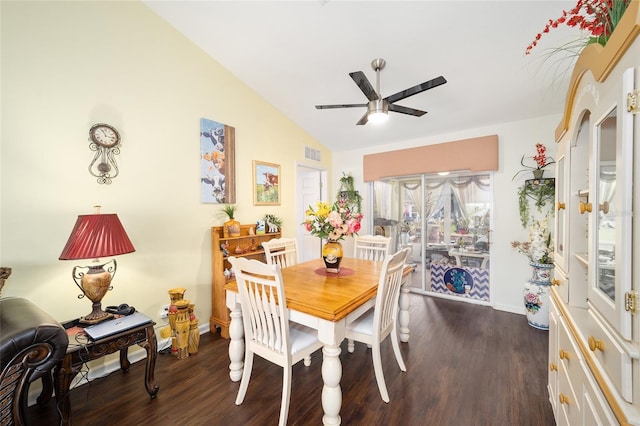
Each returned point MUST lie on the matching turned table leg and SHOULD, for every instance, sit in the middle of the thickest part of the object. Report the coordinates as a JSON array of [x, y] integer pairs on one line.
[[331, 391], [236, 345]]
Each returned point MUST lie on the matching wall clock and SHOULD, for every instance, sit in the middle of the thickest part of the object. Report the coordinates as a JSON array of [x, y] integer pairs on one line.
[[104, 135], [105, 141]]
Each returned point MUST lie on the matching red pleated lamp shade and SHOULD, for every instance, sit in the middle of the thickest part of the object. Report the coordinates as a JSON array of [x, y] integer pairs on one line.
[[95, 236]]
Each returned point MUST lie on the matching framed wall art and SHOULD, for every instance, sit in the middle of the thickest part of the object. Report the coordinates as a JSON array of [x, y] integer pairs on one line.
[[217, 162], [266, 184]]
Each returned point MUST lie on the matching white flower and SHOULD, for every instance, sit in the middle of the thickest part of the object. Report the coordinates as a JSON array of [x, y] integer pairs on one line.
[[539, 248]]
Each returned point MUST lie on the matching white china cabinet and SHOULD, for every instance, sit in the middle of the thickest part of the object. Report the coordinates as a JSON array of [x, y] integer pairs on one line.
[[594, 336]]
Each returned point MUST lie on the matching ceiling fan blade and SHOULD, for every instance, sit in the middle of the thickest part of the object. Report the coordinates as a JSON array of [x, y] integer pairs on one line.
[[364, 119], [340, 106], [416, 89], [405, 110], [364, 85]]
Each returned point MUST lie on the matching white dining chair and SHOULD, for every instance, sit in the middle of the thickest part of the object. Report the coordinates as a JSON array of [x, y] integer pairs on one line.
[[281, 251], [376, 324], [267, 331], [371, 247]]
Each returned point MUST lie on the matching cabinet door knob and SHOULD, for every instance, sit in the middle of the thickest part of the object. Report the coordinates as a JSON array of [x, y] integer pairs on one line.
[[553, 366], [564, 399], [596, 344], [555, 281], [563, 354], [560, 206], [604, 207], [585, 207]]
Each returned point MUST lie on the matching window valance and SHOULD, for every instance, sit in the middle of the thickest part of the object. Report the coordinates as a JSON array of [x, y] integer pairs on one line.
[[475, 154]]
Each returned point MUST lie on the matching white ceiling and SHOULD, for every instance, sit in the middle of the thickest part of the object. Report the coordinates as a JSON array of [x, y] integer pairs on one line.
[[297, 54]]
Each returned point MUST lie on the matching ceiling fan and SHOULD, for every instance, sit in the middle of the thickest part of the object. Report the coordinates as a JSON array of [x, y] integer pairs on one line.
[[377, 108]]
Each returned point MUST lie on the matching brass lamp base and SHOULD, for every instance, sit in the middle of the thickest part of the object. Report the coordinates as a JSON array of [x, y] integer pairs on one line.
[[94, 284]]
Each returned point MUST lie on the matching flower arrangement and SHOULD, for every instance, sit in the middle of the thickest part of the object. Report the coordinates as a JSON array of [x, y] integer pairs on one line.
[[538, 249], [333, 222], [596, 17], [540, 160]]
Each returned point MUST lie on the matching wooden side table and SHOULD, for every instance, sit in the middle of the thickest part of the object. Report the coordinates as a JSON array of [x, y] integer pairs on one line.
[[142, 335]]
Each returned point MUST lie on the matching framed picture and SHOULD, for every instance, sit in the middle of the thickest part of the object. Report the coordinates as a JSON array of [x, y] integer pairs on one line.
[[217, 162], [266, 185]]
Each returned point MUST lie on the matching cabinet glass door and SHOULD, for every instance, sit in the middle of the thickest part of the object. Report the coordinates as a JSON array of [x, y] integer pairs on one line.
[[561, 208], [605, 214], [611, 233]]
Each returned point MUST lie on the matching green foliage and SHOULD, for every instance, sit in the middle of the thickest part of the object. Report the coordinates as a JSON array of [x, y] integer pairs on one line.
[[228, 210], [541, 192], [347, 192]]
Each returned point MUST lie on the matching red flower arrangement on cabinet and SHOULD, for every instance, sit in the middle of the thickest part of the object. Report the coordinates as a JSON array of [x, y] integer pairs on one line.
[[597, 17]]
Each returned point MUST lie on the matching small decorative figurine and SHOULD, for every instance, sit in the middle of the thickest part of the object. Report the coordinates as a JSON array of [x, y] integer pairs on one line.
[[225, 248], [253, 245], [272, 227]]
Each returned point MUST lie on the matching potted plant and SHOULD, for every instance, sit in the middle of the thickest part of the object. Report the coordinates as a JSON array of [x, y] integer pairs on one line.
[[540, 191], [274, 223], [348, 193], [540, 161], [595, 18], [231, 226]]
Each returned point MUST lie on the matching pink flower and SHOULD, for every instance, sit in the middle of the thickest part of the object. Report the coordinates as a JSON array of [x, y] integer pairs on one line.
[[335, 219], [353, 226], [531, 298]]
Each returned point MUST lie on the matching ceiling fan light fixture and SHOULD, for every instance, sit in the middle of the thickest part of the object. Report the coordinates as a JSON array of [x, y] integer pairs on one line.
[[378, 111]]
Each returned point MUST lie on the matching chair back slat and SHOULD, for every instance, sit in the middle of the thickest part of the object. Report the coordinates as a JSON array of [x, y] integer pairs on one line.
[[371, 247], [386, 309], [281, 251], [263, 310]]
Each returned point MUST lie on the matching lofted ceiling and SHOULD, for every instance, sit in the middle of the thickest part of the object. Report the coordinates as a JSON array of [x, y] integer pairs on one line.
[[298, 54]]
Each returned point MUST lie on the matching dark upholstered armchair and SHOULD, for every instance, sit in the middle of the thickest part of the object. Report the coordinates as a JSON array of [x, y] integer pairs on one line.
[[31, 344]]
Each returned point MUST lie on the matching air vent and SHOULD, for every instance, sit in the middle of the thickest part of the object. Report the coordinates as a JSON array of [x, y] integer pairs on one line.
[[311, 154]]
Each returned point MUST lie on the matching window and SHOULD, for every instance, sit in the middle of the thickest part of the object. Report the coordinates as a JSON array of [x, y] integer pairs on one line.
[[444, 219]]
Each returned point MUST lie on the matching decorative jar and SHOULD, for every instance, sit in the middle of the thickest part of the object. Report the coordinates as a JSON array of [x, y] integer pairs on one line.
[[332, 255], [536, 295]]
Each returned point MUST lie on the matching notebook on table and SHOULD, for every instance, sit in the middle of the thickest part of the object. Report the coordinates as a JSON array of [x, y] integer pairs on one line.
[[116, 325]]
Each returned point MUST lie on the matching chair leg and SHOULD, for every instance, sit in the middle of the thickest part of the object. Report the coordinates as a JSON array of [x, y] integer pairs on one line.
[[351, 346], [286, 395], [246, 376], [396, 350], [377, 368]]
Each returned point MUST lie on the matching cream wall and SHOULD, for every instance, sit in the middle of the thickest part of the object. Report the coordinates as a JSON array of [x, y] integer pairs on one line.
[[509, 269], [68, 65], [61, 73]]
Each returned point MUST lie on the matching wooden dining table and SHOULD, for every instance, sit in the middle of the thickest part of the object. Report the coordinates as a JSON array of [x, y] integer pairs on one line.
[[325, 302]]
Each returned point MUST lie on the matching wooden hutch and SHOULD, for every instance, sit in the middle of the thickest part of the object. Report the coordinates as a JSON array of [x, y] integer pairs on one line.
[[594, 331], [248, 244]]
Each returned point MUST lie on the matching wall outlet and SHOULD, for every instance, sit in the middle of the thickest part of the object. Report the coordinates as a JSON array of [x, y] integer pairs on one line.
[[164, 311]]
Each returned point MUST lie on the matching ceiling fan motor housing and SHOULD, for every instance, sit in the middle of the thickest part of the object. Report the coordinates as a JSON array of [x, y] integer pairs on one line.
[[378, 106]]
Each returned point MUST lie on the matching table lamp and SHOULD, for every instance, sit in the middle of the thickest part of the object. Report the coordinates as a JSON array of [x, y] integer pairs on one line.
[[95, 236]]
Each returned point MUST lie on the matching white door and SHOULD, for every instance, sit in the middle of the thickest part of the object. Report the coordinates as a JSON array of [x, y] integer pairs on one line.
[[310, 188]]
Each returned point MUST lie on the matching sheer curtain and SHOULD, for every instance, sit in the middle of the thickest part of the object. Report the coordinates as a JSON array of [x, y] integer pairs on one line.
[[469, 192]]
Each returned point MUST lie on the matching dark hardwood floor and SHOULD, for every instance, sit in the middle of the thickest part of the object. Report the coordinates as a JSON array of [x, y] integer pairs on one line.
[[466, 365]]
